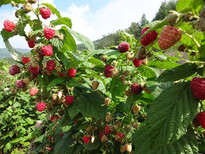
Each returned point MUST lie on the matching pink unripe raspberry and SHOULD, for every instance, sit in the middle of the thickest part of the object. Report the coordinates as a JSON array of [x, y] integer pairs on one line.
[[50, 65], [169, 36], [9, 25], [14, 69], [47, 50], [41, 106], [123, 47], [19, 83], [71, 72], [45, 12], [33, 91], [49, 33]]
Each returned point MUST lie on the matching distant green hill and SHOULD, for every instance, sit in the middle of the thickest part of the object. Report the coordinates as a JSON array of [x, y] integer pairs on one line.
[[4, 53]]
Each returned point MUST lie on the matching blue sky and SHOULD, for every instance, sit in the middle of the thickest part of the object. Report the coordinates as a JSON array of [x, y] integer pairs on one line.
[[92, 18]]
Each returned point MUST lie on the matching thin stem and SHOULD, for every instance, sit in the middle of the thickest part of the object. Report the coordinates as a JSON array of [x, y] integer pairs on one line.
[[193, 39]]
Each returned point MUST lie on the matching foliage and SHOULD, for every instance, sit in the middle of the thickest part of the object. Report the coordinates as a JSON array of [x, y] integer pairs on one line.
[[96, 109], [17, 113]]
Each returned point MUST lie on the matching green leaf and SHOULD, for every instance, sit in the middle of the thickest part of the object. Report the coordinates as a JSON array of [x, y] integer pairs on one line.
[[14, 54], [6, 35], [63, 146], [148, 72], [177, 73], [117, 87], [53, 9], [36, 32], [62, 21], [4, 2], [197, 5], [163, 65], [63, 58], [96, 61], [182, 4], [186, 144], [69, 42], [89, 44], [56, 43], [92, 105], [171, 113], [40, 139], [65, 120], [35, 24], [55, 82], [73, 83], [101, 51], [73, 109]]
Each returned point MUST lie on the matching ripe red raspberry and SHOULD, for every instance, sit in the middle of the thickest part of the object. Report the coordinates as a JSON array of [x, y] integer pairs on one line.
[[49, 33], [69, 99], [107, 130], [9, 25], [123, 47], [31, 43], [14, 69], [86, 139], [169, 36], [137, 62], [136, 88], [33, 70], [60, 74], [33, 91], [149, 38], [198, 87], [47, 50], [101, 135], [61, 134], [71, 72], [45, 12], [19, 83], [108, 70], [75, 121], [201, 119], [54, 117], [25, 60], [50, 65], [121, 135], [41, 106]]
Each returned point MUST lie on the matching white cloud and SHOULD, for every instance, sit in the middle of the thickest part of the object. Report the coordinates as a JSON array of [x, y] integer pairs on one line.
[[115, 15]]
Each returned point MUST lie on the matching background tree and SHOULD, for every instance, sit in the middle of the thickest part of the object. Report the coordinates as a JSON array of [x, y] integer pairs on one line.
[[164, 9]]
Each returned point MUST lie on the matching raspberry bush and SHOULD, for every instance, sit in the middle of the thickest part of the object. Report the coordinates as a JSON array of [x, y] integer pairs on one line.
[[127, 98]]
